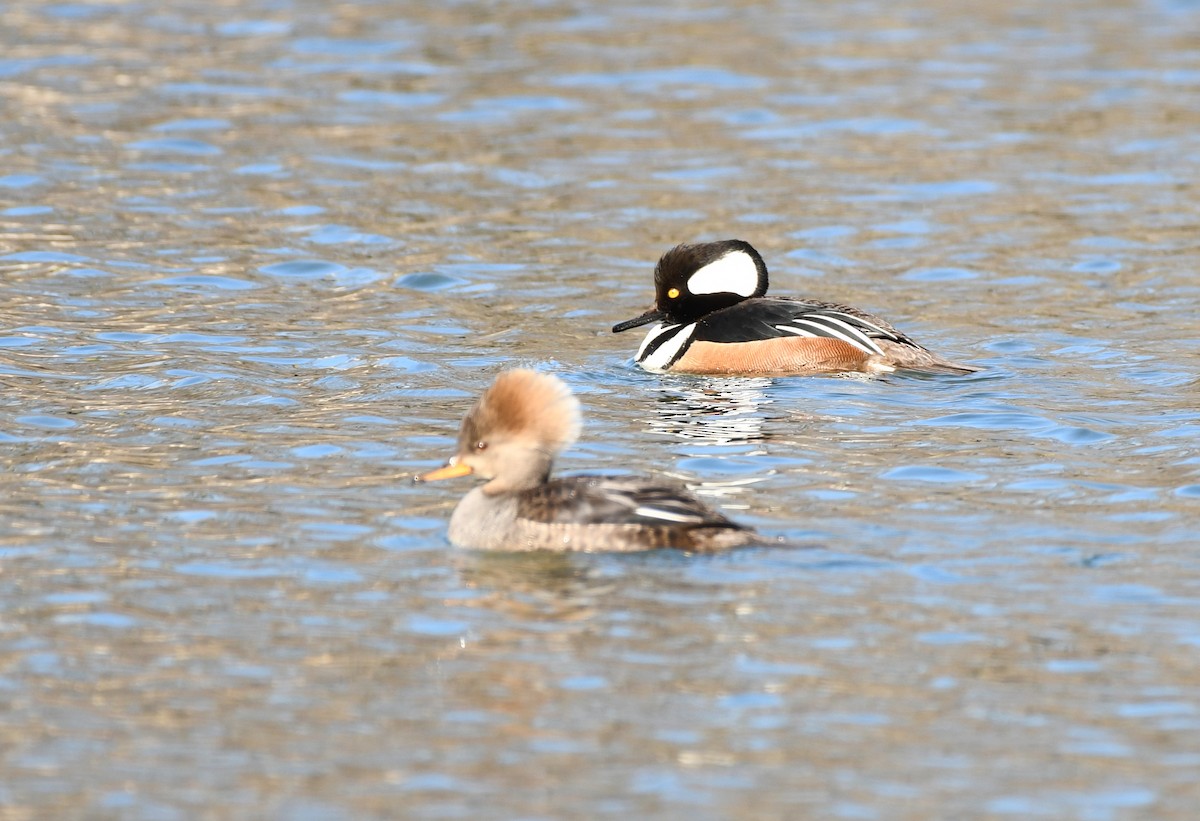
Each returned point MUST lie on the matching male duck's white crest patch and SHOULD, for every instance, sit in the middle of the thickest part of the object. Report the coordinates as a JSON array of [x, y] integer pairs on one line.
[[734, 273]]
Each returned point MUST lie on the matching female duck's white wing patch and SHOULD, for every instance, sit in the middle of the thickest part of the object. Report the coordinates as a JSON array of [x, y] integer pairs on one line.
[[647, 512], [654, 502], [734, 273]]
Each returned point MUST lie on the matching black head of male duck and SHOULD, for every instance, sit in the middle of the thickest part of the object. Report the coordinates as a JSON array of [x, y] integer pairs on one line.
[[712, 316], [511, 436]]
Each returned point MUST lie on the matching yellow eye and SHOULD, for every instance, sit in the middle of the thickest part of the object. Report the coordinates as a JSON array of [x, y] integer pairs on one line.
[[673, 293]]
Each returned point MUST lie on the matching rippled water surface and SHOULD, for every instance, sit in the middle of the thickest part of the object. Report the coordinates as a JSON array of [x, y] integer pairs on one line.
[[257, 258]]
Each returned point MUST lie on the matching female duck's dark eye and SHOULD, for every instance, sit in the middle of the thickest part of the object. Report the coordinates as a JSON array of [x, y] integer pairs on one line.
[[481, 446]]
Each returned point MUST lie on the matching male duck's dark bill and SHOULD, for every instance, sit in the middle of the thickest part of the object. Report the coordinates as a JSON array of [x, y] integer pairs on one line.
[[652, 315]]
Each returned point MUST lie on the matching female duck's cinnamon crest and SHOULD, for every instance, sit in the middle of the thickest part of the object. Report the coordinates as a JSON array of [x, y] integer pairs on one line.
[[510, 438], [713, 316]]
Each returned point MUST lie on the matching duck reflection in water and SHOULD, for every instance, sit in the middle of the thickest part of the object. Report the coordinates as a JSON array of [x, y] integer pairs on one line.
[[716, 418], [716, 411]]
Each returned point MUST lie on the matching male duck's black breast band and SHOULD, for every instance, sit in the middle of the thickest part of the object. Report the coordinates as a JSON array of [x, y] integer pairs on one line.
[[666, 336]]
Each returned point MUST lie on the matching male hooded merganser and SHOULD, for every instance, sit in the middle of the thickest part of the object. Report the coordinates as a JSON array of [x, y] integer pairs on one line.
[[511, 436], [713, 317]]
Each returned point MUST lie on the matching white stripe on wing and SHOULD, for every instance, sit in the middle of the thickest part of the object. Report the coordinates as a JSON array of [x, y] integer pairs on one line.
[[805, 326], [666, 515]]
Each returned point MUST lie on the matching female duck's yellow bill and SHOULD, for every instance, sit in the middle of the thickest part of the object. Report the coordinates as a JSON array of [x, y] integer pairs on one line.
[[450, 471]]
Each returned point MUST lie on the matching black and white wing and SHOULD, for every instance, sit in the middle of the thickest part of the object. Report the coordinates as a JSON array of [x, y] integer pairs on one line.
[[618, 500], [767, 318]]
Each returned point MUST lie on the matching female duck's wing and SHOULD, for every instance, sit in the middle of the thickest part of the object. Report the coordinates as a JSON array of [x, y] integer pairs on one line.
[[618, 500]]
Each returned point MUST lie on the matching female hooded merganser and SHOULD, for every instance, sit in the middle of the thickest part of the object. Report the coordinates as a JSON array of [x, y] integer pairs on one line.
[[713, 317], [511, 436]]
